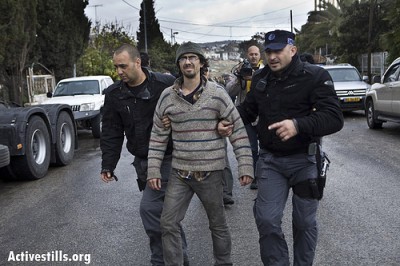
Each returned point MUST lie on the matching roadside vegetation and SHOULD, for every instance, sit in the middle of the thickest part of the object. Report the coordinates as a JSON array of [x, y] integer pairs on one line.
[[58, 35]]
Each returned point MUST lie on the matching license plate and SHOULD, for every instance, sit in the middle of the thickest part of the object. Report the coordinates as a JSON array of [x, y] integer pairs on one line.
[[352, 99]]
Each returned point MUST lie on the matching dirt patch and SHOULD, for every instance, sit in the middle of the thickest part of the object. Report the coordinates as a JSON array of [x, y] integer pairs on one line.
[[220, 67]]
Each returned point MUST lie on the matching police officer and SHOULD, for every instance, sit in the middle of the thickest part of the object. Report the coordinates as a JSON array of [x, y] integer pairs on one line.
[[128, 111], [297, 105]]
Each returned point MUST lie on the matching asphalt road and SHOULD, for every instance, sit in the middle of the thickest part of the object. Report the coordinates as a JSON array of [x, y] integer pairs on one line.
[[73, 212]]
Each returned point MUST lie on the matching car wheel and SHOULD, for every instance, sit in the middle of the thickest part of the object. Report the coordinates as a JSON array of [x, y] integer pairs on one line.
[[65, 146], [96, 126], [35, 163], [371, 116]]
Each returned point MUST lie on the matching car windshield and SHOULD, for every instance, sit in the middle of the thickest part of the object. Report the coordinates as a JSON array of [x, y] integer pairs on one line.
[[77, 88], [344, 74]]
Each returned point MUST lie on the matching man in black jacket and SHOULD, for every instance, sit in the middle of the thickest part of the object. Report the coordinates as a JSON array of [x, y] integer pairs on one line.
[[128, 110], [296, 105]]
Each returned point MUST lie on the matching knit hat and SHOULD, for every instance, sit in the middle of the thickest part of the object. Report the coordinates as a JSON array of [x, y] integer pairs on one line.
[[188, 47]]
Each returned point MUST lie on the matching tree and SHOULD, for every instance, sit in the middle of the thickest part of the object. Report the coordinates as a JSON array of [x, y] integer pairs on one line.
[[55, 38], [319, 35], [149, 33], [97, 58], [17, 35], [353, 38], [63, 34], [390, 40], [161, 53]]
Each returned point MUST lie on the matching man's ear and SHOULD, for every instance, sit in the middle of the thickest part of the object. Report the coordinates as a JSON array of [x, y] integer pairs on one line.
[[293, 50]]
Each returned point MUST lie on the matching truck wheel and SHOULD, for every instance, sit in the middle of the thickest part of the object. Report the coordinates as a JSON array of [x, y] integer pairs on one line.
[[372, 122], [35, 163], [96, 126], [65, 143], [4, 156]]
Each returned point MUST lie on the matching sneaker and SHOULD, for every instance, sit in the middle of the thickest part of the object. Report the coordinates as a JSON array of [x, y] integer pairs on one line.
[[228, 200], [253, 184]]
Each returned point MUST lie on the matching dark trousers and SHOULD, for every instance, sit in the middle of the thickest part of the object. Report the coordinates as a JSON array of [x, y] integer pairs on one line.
[[275, 176]]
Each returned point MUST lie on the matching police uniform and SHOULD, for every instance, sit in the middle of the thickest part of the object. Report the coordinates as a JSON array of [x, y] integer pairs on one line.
[[304, 93]]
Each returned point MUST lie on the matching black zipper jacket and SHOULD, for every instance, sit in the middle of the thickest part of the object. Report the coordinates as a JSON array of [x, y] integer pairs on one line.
[[303, 92], [126, 114]]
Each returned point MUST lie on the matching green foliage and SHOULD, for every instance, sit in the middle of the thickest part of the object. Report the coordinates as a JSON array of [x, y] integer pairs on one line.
[[49, 32], [63, 34], [97, 58], [344, 30], [319, 34], [154, 35], [354, 30], [18, 27], [161, 53], [390, 40], [162, 56]]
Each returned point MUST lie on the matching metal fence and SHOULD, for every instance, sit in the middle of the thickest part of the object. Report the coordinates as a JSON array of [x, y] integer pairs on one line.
[[378, 63]]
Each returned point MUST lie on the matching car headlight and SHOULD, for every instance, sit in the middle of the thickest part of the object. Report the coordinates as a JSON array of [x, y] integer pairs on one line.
[[87, 107]]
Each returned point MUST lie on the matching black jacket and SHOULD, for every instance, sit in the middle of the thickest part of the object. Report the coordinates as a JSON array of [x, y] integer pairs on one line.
[[304, 92], [126, 114]]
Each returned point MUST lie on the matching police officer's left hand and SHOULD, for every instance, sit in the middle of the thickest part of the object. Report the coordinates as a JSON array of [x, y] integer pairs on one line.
[[284, 129], [166, 122], [225, 128], [245, 180]]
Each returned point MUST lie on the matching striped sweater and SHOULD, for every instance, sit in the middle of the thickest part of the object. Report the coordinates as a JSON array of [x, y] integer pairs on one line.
[[197, 146]]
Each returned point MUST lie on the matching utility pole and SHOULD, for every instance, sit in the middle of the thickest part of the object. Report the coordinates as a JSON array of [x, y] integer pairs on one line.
[[95, 11], [371, 15], [173, 40], [145, 26], [291, 21]]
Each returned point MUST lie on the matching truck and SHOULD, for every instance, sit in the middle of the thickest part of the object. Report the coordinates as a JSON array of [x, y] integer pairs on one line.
[[85, 96], [34, 137]]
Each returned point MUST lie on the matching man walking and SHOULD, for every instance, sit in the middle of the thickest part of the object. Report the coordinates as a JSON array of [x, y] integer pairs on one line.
[[296, 105], [238, 87], [128, 111], [194, 107]]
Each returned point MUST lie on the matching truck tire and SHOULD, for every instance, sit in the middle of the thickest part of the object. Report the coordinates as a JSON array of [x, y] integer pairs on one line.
[[372, 122], [96, 126], [65, 142], [4, 156], [35, 163]]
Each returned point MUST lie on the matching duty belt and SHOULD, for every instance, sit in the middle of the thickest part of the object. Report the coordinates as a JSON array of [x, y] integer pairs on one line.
[[198, 175]]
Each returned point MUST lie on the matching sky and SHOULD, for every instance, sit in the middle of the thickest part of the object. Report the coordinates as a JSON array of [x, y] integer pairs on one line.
[[205, 20]]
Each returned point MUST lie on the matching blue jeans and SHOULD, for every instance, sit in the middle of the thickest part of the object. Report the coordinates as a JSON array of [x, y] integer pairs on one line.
[[177, 199], [151, 206], [275, 177]]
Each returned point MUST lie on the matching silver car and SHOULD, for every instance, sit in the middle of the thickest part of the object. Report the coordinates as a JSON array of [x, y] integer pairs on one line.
[[382, 103], [350, 87]]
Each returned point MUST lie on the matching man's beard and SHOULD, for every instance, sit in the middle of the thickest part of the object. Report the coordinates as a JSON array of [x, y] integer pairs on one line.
[[189, 75]]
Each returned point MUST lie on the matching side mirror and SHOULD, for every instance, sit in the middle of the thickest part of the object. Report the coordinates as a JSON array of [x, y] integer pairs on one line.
[[49, 95], [376, 79]]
